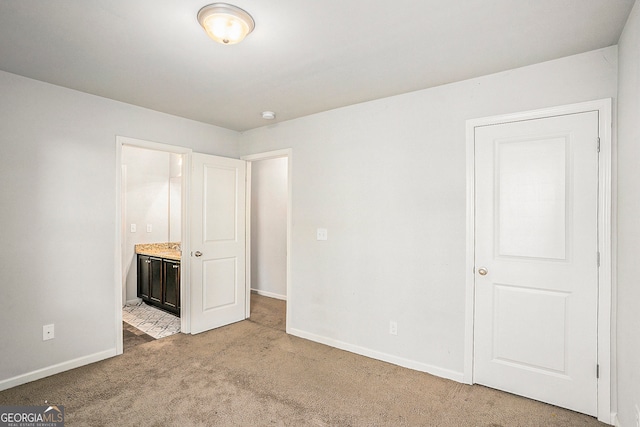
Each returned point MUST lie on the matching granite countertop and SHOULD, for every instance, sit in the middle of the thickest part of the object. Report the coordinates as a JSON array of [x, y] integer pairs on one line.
[[170, 250]]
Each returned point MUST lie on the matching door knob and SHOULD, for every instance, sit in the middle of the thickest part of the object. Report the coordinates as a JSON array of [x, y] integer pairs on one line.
[[482, 271], [198, 253]]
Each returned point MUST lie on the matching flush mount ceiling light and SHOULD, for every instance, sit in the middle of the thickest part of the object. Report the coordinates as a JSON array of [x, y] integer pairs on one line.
[[268, 115], [225, 23]]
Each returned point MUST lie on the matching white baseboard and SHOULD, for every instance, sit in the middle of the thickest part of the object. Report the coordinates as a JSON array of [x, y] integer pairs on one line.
[[55, 369], [614, 420], [406, 363], [269, 294]]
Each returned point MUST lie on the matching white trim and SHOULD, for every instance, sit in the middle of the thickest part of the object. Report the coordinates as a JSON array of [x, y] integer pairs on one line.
[[605, 278], [389, 358], [118, 345], [470, 258], [276, 154], [269, 294], [184, 270], [614, 420], [56, 369], [288, 153], [123, 209], [605, 224], [150, 145], [185, 246], [247, 239]]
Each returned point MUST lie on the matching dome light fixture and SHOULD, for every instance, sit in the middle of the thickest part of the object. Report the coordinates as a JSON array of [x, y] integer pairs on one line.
[[268, 115], [225, 23]]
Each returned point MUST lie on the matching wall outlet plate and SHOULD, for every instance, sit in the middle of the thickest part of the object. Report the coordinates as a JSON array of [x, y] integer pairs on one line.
[[322, 234], [48, 332], [637, 416], [393, 327]]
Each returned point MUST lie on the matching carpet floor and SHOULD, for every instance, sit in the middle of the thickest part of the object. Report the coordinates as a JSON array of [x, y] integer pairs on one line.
[[252, 373], [132, 337]]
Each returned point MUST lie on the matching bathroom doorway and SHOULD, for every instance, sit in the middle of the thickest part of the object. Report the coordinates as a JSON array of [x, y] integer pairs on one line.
[[151, 208]]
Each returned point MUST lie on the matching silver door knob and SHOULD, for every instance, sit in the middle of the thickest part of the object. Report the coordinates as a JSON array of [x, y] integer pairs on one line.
[[482, 271], [198, 253]]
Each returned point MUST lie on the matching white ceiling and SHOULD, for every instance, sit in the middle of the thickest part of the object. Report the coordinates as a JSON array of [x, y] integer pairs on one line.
[[305, 56]]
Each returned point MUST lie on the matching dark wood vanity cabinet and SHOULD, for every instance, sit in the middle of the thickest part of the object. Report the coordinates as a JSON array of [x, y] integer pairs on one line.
[[159, 282]]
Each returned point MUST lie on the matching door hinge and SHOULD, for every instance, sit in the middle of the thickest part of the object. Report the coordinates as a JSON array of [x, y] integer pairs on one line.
[[598, 144], [597, 371], [598, 259]]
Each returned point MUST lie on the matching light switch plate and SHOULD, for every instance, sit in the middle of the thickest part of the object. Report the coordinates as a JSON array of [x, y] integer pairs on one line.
[[133, 228], [149, 228], [322, 234]]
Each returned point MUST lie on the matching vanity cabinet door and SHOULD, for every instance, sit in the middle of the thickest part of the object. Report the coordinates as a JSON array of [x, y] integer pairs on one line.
[[155, 280], [171, 284], [144, 276]]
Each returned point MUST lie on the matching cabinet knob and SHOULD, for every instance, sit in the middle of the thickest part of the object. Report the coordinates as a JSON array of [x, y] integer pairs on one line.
[[176, 266]]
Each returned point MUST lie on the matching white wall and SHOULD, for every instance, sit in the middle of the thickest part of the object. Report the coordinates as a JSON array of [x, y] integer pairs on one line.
[[58, 217], [628, 319], [387, 179], [175, 198], [269, 227]]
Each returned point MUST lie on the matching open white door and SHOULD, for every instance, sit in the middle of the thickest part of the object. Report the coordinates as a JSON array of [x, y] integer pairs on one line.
[[217, 202]]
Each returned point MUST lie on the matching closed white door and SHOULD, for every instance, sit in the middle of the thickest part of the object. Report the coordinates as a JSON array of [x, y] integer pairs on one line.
[[217, 201], [536, 259]]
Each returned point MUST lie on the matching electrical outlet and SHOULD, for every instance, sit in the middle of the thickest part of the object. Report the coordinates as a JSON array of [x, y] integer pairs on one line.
[[149, 228], [133, 228], [393, 327], [322, 234], [47, 332], [637, 416]]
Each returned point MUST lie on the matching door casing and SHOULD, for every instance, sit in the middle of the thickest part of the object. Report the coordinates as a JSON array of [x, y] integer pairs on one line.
[[605, 223]]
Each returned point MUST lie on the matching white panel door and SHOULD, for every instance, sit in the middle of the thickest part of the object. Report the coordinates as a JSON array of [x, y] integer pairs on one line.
[[218, 287], [536, 266]]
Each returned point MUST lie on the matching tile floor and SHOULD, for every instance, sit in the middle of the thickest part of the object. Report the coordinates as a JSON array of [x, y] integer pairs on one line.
[[150, 320]]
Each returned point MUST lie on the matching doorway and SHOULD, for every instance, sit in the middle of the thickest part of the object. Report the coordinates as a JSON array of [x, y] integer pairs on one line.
[[539, 255], [198, 293], [152, 215], [151, 211], [269, 220]]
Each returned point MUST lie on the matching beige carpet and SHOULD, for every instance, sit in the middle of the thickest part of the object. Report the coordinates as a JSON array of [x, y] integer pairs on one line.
[[253, 374]]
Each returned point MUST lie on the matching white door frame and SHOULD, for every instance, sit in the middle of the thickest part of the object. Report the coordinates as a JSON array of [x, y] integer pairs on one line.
[[605, 223], [185, 320], [288, 153]]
